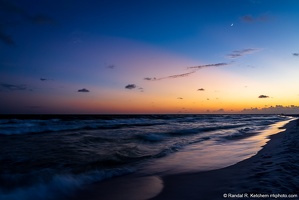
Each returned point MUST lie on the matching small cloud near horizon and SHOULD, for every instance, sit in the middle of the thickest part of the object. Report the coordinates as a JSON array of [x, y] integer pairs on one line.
[[263, 96], [83, 90], [201, 89], [130, 86], [221, 110], [291, 109], [295, 54]]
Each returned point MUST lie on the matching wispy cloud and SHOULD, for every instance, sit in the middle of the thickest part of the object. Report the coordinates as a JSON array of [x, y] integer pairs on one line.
[[83, 90], [46, 79], [180, 98], [263, 96], [170, 77], [201, 89], [150, 79], [11, 9], [242, 52], [247, 18], [179, 75], [12, 87], [295, 54], [209, 65], [111, 66], [194, 69], [130, 86], [250, 18], [141, 89]]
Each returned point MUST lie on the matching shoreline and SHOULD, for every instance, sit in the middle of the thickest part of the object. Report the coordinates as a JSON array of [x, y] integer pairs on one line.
[[273, 170]]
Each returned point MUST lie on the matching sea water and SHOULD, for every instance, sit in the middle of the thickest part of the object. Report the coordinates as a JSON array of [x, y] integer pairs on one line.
[[52, 156]]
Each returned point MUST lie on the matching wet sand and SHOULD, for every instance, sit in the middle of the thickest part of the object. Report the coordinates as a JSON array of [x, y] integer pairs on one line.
[[274, 170]]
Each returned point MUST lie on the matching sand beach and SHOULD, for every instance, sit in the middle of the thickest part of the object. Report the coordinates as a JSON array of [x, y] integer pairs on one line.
[[271, 174]]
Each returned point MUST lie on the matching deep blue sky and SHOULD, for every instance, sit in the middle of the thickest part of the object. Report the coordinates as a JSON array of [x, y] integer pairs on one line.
[[51, 50]]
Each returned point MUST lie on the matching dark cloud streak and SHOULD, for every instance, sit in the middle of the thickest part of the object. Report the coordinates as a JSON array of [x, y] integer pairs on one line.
[[179, 75], [111, 66], [170, 77], [263, 96], [251, 19], [83, 90], [209, 65], [247, 18], [130, 86], [242, 52], [46, 79], [195, 68], [12, 87], [150, 79], [12, 10]]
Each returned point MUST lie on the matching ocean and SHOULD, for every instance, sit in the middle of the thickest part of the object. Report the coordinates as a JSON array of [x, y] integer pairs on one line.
[[52, 156]]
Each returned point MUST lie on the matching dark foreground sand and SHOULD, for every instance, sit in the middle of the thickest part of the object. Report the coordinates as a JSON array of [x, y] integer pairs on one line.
[[274, 170]]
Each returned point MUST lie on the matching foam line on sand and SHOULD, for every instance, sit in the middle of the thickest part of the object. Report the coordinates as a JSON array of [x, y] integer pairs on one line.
[[274, 170]]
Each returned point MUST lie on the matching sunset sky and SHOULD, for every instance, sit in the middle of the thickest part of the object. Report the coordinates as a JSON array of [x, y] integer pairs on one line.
[[148, 56]]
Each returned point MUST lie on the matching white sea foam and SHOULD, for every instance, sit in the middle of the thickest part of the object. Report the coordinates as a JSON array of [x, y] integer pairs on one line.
[[58, 186], [79, 151]]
